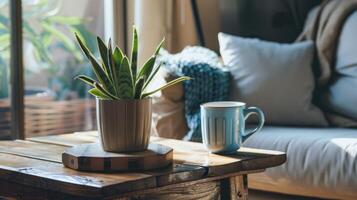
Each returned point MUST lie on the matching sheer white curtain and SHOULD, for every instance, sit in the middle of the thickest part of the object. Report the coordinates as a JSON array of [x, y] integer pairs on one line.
[[156, 19], [114, 21], [153, 20]]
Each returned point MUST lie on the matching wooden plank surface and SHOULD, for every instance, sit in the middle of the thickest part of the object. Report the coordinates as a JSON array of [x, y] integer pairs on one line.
[[22, 159], [192, 153], [177, 173], [37, 162], [48, 152], [245, 159], [13, 191], [68, 139], [55, 177]]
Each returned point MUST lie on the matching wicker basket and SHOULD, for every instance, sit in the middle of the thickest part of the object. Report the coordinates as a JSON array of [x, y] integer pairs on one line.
[[44, 116], [5, 117]]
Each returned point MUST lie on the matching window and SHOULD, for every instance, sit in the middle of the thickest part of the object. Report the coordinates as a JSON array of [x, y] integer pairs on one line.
[[54, 102], [5, 25]]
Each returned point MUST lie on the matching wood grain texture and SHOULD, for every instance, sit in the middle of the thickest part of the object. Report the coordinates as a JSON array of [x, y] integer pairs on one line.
[[264, 182], [14, 191], [54, 177], [37, 164], [68, 140], [244, 160], [91, 157], [235, 187], [48, 152], [178, 173], [201, 191], [238, 186], [190, 184]]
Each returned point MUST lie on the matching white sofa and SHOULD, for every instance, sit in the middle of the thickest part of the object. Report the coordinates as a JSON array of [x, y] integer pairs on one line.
[[321, 162]]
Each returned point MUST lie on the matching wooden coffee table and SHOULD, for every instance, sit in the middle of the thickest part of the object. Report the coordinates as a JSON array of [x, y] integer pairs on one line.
[[32, 169]]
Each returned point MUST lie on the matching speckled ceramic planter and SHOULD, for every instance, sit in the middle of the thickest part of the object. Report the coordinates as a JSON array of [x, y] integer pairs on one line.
[[124, 125]]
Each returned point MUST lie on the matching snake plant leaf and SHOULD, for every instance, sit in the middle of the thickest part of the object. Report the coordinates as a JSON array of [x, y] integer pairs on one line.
[[83, 46], [173, 82], [95, 92], [118, 78], [112, 68], [103, 50], [117, 56], [86, 80], [159, 46], [147, 67], [147, 82], [101, 89], [134, 54], [125, 80], [138, 87], [101, 75], [86, 36], [98, 71], [109, 59]]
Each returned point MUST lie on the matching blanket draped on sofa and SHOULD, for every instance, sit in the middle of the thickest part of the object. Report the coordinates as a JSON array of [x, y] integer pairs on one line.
[[323, 26]]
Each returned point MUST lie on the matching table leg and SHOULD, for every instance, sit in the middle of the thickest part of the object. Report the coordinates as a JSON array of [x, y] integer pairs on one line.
[[235, 188]]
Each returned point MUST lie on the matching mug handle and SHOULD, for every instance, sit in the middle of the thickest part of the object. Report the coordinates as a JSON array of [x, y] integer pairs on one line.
[[248, 112]]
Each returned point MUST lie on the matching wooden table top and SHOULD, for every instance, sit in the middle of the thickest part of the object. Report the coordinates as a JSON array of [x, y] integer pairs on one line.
[[37, 162]]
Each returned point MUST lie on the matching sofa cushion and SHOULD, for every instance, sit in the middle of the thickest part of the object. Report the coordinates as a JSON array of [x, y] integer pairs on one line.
[[274, 77], [316, 157], [168, 108]]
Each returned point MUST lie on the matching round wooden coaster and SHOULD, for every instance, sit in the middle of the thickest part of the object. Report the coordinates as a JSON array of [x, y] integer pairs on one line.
[[91, 157]]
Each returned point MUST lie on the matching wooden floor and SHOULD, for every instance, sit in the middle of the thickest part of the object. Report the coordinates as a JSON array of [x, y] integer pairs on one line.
[[261, 195]]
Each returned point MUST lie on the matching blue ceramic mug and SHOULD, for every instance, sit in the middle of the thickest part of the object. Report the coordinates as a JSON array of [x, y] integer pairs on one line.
[[223, 125]]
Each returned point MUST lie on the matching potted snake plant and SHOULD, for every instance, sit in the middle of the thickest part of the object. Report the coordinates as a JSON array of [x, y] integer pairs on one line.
[[123, 104]]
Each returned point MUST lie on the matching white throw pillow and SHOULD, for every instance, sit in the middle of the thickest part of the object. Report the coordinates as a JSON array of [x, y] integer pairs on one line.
[[275, 77]]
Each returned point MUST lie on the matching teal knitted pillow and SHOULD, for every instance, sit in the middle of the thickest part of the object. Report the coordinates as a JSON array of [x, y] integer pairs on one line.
[[210, 82]]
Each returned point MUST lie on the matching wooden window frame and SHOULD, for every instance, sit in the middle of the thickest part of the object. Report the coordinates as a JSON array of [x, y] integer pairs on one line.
[[16, 71]]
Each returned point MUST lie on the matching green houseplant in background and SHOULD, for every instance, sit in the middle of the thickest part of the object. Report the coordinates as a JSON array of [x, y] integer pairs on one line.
[[123, 105], [46, 34], [51, 61]]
